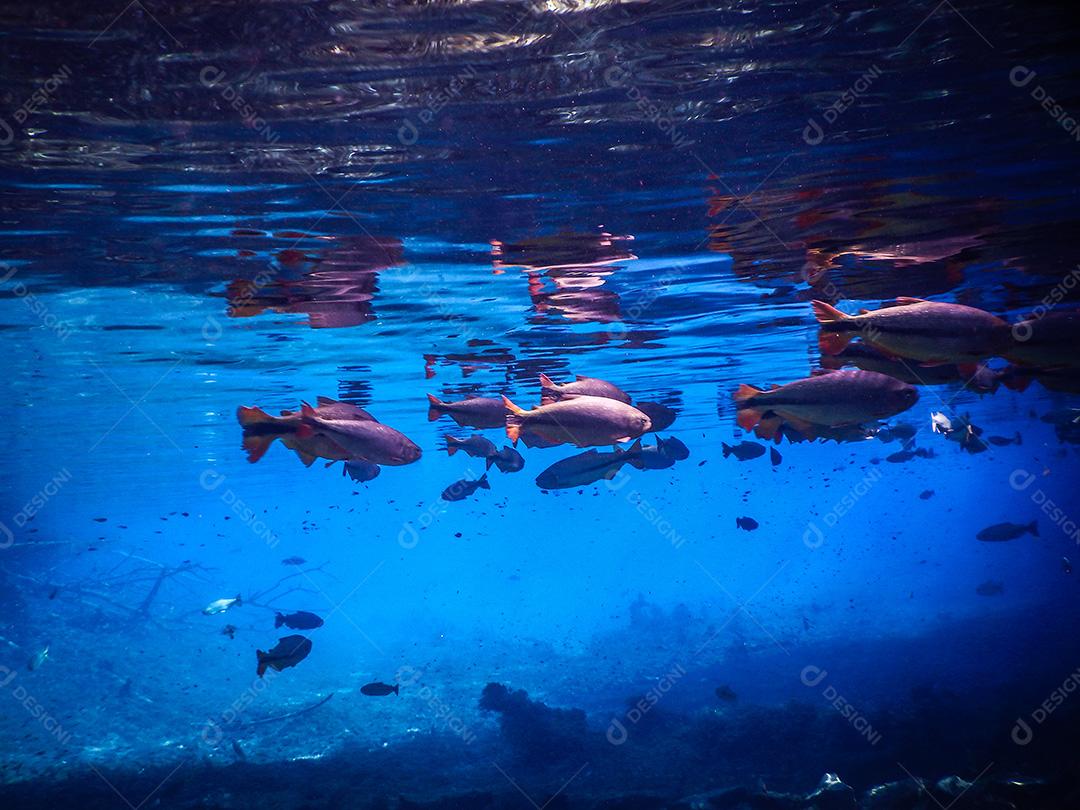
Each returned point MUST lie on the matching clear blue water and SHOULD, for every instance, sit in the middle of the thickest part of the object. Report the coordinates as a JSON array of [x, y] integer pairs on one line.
[[451, 199]]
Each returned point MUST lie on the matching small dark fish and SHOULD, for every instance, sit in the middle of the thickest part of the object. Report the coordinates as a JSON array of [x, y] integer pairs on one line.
[[659, 456], [508, 460], [806, 624], [726, 694], [924, 452], [288, 652], [360, 470], [584, 469], [900, 455], [774, 457], [229, 630], [460, 490], [293, 561], [661, 416], [990, 588], [744, 451], [746, 523], [476, 446], [1000, 532], [926, 494], [301, 620], [1066, 566], [378, 689], [53, 593], [902, 431], [1002, 441]]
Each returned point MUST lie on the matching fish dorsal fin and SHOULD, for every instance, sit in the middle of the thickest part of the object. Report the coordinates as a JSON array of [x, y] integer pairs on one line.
[[325, 401], [580, 377], [904, 301], [821, 372], [773, 387], [864, 311]]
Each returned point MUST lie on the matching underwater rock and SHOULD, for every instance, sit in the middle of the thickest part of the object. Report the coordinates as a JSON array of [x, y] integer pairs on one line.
[[832, 794], [536, 732]]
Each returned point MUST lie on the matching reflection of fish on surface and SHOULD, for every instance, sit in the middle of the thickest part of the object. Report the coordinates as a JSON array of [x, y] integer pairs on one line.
[[583, 421], [926, 331], [1047, 342], [561, 250], [288, 652], [581, 386], [460, 490], [1003, 532], [338, 293], [477, 412], [830, 399], [370, 441], [979, 378]]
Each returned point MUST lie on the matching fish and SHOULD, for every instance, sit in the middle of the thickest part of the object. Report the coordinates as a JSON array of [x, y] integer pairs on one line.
[[370, 441], [743, 451], [583, 421], [926, 494], [360, 470], [1048, 341], [288, 652], [940, 423], [221, 605], [661, 416], [293, 561], [726, 694], [979, 378], [900, 456], [830, 399], [746, 523], [1003, 441], [300, 620], [581, 386], [990, 588], [476, 446], [38, 658], [915, 329], [582, 469], [460, 490], [508, 460], [479, 412], [1000, 532], [379, 689], [261, 429], [229, 630]]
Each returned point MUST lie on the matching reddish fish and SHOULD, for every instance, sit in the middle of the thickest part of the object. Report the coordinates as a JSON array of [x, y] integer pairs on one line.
[[587, 386], [260, 430], [479, 412], [370, 441], [585, 421], [831, 399], [925, 331]]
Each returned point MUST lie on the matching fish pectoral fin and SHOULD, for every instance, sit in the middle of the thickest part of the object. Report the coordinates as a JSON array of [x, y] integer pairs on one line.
[[904, 300]]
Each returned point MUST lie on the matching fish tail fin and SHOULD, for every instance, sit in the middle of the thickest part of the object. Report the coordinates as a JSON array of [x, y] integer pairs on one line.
[[827, 313], [488, 462], [307, 411], [1033, 527], [256, 446], [483, 482], [726, 448], [746, 417], [238, 602], [451, 447], [545, 381], [634, 452], [833, 342], [396, 688], [261, 658], [514, 420], [278, 620], [435, 407], [249, 417]]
